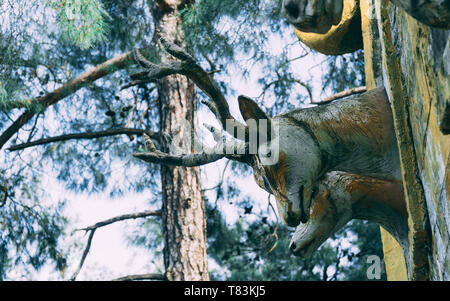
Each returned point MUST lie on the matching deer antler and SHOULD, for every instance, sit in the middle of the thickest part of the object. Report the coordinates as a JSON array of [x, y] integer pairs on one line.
[[186, 65], [225, 148], [189, 67]]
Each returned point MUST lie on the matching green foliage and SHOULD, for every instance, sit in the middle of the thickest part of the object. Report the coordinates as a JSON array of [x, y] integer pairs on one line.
[[345, 71], [3, 97], [222, 28], [368, 243], [9, 81], [35, 60], [259, 250], [82, 22], [29, 232]]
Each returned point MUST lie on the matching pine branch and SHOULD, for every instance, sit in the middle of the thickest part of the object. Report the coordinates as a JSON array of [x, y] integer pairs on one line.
[[121, 218], [341, 94], [92, 229], [87, 135], [67, 89]]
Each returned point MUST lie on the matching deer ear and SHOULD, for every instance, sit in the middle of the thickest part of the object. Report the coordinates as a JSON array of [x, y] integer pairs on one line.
[[250, 110], [256, 119]]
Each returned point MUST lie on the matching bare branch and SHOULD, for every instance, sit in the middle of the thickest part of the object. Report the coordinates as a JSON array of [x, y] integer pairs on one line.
[[83, 258], [301, 83], [122, 218], [65, 90], [341, 94], [137, 82], [214, 71], [307, 87], [5, 195], [86, 135], [142, 277], [92, 229]]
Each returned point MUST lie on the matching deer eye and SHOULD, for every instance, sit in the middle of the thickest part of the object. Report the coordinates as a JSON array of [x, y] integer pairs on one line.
[[314, 192], [269, 154]]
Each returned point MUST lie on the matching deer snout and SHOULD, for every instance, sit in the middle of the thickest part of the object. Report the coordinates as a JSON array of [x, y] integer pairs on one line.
[[291, 10], [290, 217], [293, 219], [312, 15], [300, 251], [294, 208], [303, 244]]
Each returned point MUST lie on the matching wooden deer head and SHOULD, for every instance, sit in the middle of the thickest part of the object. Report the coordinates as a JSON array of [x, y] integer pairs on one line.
[[354, 135], [342, 197], [320, 15]]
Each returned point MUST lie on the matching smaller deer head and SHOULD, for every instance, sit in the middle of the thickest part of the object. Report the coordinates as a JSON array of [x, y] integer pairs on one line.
[[291, 177], [312, 15], [329, 213], [342, 197]]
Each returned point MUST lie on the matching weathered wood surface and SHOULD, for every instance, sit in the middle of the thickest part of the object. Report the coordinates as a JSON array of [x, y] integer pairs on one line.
[[423, 54], [414, 69], [411, 60]]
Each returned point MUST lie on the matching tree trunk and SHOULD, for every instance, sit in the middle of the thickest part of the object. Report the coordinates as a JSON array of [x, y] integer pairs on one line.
[[184, 225]]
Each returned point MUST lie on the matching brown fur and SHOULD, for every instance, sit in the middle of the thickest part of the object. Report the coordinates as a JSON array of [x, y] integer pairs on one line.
[[320, 204], [389, 193], [276, 175]]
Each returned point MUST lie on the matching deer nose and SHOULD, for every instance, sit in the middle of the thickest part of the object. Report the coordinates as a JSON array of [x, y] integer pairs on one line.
[[297, 249], [292, 247], [293, 219], [291, 10], [303, 218]]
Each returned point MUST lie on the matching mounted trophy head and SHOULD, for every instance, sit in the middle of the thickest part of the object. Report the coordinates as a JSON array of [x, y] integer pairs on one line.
[[277, 166], [313, 16]]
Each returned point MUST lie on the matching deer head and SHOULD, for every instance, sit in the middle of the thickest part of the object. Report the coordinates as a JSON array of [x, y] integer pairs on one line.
[[289, 153], [342, 197], [312, 15], [319, 15], [287, 162]]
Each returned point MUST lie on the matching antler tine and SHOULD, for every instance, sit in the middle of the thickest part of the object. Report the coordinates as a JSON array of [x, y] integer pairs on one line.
[[217, 133], [218, 104], [230, 148], [149, 143], [208, 155]]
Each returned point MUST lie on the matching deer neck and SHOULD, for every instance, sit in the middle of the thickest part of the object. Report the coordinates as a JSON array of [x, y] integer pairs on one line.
[[355, 135], [382, 202], [343, 197]]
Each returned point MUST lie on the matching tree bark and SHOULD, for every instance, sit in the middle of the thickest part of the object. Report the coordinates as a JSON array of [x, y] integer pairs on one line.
[[184, 225]]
